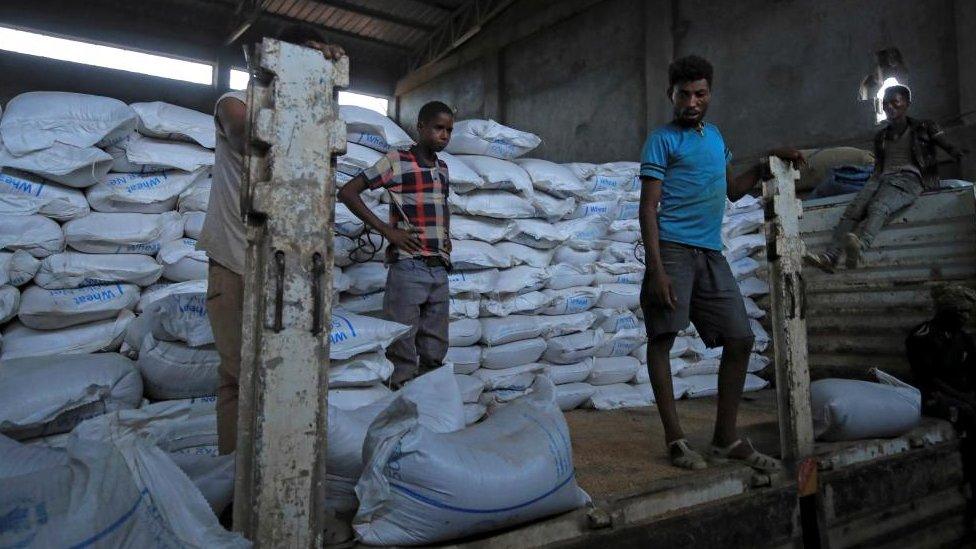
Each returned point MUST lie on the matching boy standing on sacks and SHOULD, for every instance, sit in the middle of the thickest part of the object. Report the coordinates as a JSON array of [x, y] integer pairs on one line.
[[223, 238], [418, 232], [685, 180]]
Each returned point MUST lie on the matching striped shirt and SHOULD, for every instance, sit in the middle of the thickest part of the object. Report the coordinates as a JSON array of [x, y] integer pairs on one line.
[[421, 194]]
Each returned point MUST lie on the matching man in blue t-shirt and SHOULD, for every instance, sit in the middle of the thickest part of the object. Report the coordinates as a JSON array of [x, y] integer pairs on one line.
[[686, 177]]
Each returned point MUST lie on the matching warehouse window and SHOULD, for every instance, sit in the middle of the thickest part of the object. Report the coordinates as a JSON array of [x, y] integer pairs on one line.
[[238, 81], [87, 53]]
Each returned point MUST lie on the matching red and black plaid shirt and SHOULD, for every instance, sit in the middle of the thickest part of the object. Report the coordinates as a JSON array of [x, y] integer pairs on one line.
[[422, 194]]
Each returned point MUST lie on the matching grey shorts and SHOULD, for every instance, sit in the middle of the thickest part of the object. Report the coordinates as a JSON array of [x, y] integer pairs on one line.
[[707, 293]]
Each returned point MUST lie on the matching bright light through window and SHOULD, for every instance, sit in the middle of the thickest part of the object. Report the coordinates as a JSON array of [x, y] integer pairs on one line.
[[238, 81], [889, 82], [31, 43]]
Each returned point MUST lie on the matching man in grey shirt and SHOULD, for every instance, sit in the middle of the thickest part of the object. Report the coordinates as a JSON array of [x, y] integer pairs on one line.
[[904, 165], [223, 239]]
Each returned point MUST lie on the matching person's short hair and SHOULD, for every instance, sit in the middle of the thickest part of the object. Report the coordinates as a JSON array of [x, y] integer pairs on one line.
[[431, 110], [953, 296], [898, 88], [300, 35], [689, 69]]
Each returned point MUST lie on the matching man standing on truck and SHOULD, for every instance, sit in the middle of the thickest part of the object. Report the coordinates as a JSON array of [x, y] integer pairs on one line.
[[904, 165], [223, 239], [418, 232], [686, 178]]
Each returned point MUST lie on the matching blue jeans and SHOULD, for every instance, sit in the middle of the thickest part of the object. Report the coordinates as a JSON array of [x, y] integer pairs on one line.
[[417, 295]]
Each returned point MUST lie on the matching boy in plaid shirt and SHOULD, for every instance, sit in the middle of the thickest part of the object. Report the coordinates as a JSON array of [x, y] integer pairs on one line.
[[418, 232]]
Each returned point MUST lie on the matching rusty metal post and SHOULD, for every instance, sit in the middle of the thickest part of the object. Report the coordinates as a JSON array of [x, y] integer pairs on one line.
[[288, 200]]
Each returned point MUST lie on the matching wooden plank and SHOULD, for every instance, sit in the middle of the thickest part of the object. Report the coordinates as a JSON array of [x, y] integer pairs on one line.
[[787, 311], [944, 204], [288, 200]]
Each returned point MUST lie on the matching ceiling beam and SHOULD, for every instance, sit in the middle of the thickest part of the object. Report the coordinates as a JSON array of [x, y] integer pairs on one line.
[[443, 6], [379, 15]]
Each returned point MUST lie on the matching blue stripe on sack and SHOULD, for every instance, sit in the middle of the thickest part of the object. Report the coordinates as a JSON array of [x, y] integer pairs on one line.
[[352, 328], [114, 526], [424, 499]]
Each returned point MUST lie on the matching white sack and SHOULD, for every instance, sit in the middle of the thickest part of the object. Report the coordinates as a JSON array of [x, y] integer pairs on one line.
[[479, 282], [520, 279], [361, 120], [360, 371], [182, 261], [68, 165], [474, 411], [465, 359], [612, 321], [741, 223], [553, 178], [366, 277], [586, 233], [464, 332], [524, 255], [22, 193], [744, 268], [163, 289], [574, 347], [494, 204], [193, 224], [137, 193], [470, 387], [42, 309], [743, 246], [474, 254], [622, 343], [569, 373], [106, 335], [484, 229], [753, 286], [499, 175], [37, 120], [607, 371], [848, 409], [625, 231], [618, 252], [196, 198], [745, 204], [463, 178], [707, 385], [560, 325], [536, 233], [572, 256], [173, 370], [618, 395], [606, 208], [166, 121], [711, 366], [35, 234], [353, 334], [507, 304], [516, 353], [514, 380], [353, 398], [362, 304], [499, 331], [552, 208], [357, 159], [565, 275], [582, 170], [489, 138], [157, 154], [9, 303], [573, 395], [619, 296], [572, 300], [464, 306], [752, 309], [17, 268], [123, 233], [178, 317], [73, 270], [42, 396]]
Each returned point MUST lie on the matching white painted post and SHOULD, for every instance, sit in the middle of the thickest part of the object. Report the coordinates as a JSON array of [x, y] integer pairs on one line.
[[288, 200]]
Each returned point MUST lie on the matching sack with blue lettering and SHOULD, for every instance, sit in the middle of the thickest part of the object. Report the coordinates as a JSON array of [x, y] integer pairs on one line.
[[612, 321], [34, 234], [572, 300], [572, 348], [123, 233], [19, 341], [41, 396], [119, 491], [489, 138], [22, 193], [43, 309], [174, 370], [182, 261], [605, 208], [163, 289], [141, 193], [74, 270], [354, 334], [166, 121], [552, 178], [17, 268], [622, 342], [585, 233], [479, 282], [10, 302], [370, 128], [419, 487]]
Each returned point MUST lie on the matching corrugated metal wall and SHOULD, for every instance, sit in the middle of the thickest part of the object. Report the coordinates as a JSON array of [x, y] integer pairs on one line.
[[859, 319]]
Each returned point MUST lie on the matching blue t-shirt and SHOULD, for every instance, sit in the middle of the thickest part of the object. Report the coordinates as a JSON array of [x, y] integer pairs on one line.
[[691, 166]]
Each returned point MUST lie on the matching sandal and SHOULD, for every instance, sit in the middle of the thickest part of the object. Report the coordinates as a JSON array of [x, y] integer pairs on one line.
[[755, 459], [687, 458]]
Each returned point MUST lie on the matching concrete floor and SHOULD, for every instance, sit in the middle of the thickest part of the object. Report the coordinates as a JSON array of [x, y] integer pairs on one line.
[[621, 452]]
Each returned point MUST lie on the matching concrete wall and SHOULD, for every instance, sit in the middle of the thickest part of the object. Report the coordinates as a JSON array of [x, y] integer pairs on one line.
[[589, 76]]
